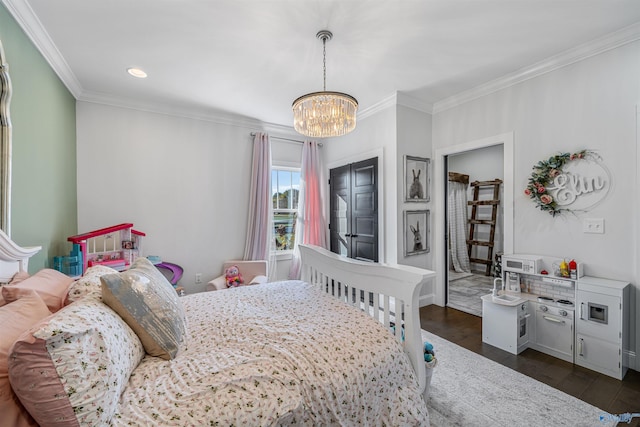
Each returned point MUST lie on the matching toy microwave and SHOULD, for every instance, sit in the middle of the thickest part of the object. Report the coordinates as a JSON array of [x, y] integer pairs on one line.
[[519, 263]]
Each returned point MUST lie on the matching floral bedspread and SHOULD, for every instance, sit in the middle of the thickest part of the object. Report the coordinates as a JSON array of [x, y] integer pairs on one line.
[[276, 354]]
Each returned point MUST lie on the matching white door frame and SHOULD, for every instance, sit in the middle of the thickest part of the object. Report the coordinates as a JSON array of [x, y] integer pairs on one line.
[[635, 360], [439, 213]]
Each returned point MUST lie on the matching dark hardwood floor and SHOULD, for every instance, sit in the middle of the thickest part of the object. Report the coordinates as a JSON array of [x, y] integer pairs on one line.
[[611, 395]]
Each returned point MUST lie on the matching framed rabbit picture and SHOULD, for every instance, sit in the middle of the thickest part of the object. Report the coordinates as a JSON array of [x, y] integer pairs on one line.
[[416, 179], [416, 232]]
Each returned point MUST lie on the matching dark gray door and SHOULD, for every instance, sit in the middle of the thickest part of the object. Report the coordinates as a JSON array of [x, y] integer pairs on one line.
[[353, 221]]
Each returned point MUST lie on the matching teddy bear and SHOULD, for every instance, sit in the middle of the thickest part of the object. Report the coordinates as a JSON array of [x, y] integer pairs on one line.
[[233, 277]]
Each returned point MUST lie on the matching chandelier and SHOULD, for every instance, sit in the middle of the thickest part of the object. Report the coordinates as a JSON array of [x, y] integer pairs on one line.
[[324, 114]]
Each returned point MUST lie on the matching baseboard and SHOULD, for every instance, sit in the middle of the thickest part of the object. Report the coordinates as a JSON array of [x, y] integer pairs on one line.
[[630, 357], [427, 300]]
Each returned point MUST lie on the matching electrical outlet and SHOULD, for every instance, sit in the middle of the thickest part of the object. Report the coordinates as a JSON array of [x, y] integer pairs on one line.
[[198, 277], [593, 225]]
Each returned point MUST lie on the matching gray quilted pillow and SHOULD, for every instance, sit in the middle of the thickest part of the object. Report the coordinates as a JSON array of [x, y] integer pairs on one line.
[[145, 299]]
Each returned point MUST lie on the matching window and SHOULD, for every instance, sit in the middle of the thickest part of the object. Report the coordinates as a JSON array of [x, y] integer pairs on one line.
[[285, 184]]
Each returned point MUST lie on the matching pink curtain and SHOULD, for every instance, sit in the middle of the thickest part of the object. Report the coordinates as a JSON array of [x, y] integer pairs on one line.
[[311, 224], [259, 226]]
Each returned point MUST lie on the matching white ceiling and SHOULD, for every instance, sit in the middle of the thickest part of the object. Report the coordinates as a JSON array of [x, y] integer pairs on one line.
[[253, 58]]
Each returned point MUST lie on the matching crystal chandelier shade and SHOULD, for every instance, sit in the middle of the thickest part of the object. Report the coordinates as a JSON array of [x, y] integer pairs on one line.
[[324, 114]]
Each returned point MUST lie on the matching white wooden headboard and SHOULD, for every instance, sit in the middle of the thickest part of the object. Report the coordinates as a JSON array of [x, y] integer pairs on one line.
[[13, 258], [393, 289]]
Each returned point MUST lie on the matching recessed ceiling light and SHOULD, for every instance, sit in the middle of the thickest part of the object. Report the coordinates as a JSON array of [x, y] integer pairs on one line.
[[137, 72]]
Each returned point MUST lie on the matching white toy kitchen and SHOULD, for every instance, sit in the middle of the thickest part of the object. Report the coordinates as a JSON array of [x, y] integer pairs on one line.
[[549, 305]]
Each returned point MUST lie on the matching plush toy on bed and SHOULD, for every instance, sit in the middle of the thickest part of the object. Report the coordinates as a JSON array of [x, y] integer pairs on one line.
[[233, 277]]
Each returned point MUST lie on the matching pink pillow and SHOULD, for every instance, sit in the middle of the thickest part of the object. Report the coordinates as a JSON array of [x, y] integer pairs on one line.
[[19, 277], [15, 318], [51, 285]]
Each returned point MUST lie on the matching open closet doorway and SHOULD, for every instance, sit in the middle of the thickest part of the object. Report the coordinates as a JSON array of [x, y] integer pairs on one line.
[[441, 159], [474, 218]]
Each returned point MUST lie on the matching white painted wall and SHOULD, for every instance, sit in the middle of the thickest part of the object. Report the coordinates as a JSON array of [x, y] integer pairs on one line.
[[589, 104], [286, 153], [414, 139], [183, 182]]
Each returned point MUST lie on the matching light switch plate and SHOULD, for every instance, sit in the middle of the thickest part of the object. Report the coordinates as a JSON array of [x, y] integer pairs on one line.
[[593, 225]]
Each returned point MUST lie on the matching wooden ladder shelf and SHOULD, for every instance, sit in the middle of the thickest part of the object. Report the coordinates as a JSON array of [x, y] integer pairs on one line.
[[476, 221]]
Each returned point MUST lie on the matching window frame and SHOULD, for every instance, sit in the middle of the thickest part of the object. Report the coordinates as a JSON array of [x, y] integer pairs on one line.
[[284, 253]]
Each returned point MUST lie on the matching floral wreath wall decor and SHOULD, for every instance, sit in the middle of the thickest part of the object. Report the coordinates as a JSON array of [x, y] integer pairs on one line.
[[569, 182]]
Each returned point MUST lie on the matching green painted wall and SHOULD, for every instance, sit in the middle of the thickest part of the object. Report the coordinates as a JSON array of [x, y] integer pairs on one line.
[[43, 117]]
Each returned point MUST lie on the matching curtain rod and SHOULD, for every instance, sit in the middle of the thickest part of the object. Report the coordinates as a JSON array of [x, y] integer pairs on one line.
[[459, 177], [285, 139]]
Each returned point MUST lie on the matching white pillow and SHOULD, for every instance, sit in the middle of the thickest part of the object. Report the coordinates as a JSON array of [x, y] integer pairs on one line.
[[89, 284], [73, 366]]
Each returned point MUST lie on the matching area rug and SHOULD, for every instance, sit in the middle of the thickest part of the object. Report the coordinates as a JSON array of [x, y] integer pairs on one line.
[[470, 390]]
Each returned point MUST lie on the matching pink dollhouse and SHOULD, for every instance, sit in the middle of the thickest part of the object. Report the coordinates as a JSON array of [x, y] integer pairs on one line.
[[117, 247]]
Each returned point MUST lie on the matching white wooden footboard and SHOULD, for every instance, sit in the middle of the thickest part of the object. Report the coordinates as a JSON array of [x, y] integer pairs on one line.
[[388, 293], [13, 258]]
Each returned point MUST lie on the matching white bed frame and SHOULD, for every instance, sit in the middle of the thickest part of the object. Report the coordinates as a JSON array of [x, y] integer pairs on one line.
[[13, 258], [394, 290]]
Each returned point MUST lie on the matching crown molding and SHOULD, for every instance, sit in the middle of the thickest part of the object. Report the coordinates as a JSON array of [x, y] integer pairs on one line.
[[33, 28], [207, 115], [595, 47], [397, 98], [411, 102], [204, 114], [381, 105], [281, 130]]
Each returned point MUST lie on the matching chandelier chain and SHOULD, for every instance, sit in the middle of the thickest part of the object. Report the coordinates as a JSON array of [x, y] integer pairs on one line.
[[324, 63]]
